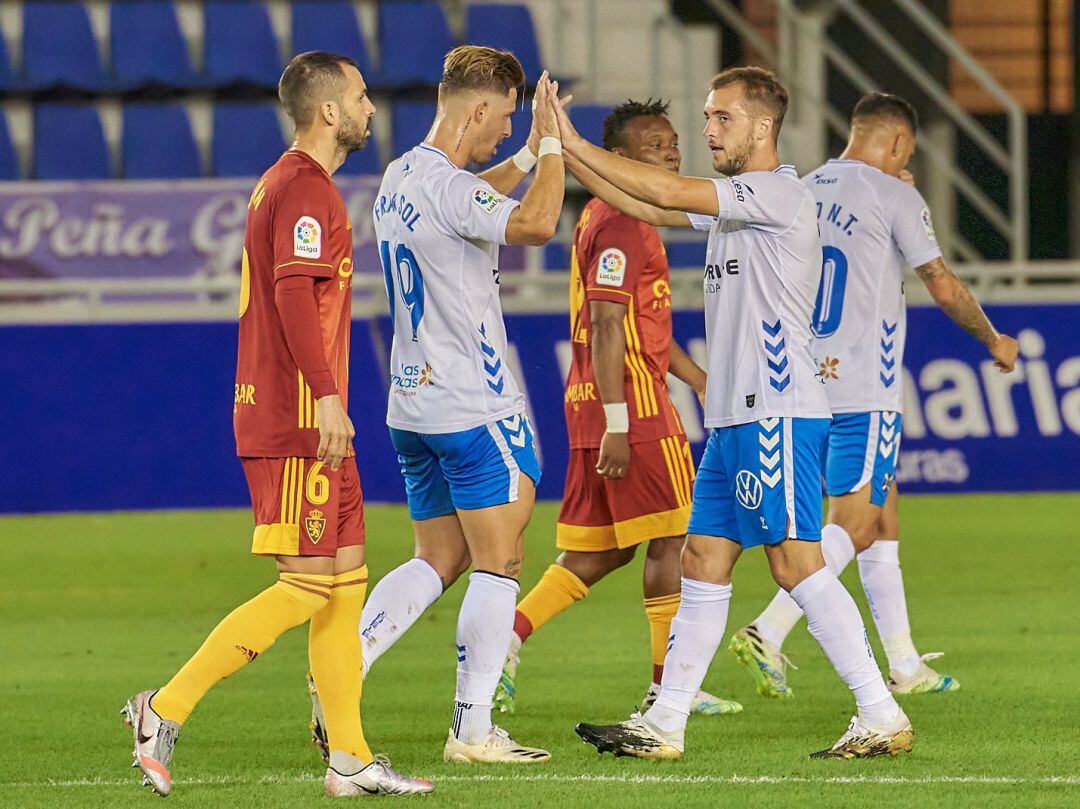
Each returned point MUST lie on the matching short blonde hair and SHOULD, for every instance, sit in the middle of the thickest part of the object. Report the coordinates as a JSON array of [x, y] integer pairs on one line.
[[477, 68], [761, 88]]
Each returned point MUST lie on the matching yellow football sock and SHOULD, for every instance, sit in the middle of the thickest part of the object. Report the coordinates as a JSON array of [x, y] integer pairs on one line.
[[334, 653], [243, 635], [660, 612], [557, 589]]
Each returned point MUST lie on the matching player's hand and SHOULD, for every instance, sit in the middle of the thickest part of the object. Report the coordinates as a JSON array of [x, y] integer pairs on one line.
[[906, 177], [335, 430], [614, 456], [569, 135], [1004, 350], [544, 120]]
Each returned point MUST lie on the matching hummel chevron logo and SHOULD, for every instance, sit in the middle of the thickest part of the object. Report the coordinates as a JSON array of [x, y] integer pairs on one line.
[[887, 374], [769, 452], [775, 345], [887, 433], [886, 448], [492, 367], [515, 430], [460, 653]]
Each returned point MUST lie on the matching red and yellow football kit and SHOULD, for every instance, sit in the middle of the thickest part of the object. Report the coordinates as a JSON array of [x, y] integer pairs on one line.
[[298, 233], [618, 258]]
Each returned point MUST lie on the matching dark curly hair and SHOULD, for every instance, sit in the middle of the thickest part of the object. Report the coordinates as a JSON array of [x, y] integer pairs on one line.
[[615, 124]]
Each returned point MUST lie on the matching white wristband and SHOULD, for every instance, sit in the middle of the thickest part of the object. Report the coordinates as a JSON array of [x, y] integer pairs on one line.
[[618, 417], [549, 145], [524, 159]]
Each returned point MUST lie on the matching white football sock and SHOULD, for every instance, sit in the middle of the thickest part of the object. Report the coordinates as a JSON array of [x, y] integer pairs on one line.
[[835, 622], [394, 604], [696, 632], [780, 617], [485, 624], [879, 568]]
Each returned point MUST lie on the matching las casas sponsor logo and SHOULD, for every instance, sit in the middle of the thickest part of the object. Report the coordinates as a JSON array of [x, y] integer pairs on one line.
[[307, 238], [611, 267], [409, 377]]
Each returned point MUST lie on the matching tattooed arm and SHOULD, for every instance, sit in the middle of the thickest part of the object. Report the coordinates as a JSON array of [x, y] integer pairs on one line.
[[956, 300]]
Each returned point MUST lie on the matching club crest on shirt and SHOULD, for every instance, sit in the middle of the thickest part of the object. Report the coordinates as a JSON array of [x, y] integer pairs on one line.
[[307, 238], [315, 524], [486, 200], [928, 224], [611, 267]]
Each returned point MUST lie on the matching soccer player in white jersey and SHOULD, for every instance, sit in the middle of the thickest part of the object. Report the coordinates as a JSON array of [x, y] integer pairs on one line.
[[456, 414], [872, 225], [758, 482]]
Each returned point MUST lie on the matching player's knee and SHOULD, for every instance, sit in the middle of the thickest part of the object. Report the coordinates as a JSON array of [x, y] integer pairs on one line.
[[700, 562], [450, 567], [592, 567], [665, 549]]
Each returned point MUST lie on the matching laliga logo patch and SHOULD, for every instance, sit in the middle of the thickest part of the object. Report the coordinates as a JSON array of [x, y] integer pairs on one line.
[[748, 489], [315, 524], [488, 202], [307, 238], [928, 224], [611, 267]]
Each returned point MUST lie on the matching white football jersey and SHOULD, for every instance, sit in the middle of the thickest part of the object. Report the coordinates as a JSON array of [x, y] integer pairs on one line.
[[871, 225], [439, 229], [762, 270]]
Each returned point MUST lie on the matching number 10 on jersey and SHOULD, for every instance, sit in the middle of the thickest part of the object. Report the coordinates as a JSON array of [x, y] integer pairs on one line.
[[401, 272]]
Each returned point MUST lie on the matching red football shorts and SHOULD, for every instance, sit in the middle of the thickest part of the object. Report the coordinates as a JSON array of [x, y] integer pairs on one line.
[[303, 508], [651, 502]]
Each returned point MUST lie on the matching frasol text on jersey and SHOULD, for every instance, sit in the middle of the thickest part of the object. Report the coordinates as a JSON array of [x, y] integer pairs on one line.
[[397, 204]]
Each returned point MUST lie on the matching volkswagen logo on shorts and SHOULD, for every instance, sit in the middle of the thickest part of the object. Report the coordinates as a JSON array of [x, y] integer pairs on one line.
[[748, 489]]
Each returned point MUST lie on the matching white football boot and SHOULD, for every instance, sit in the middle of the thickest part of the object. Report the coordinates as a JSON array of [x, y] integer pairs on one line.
[[497, 747], [636, 737], [862, 740]]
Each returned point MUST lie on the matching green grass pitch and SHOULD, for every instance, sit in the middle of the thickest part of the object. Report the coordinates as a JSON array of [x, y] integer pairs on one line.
[[97, 607]]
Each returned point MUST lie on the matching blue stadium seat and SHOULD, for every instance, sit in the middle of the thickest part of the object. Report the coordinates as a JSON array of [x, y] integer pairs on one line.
[[240, 44], [247, 139], [588, 119], [8, 79], [69, 143], [148, 46], [413, 39], [411, 121], [9, 159], [505, 26], [59, 47], [330, 25], [157, 143], [365, 161]]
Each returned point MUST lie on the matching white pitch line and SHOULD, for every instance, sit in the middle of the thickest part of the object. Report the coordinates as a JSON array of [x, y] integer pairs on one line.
[[749, 780]]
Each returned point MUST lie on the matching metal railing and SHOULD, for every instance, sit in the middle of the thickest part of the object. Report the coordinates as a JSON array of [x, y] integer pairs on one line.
[[1012, 159], [125, 300]]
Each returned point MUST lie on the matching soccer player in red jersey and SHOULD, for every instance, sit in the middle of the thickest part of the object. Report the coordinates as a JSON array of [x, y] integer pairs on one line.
[[294, 438], [630, 473]]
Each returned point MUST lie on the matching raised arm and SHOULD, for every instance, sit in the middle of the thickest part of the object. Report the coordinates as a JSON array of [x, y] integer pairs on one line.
[[534, 221], [956, 300], [655, 186], [599, 187]]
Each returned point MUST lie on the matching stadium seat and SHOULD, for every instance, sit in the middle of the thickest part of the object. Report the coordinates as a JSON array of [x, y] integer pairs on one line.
[[588, 119], [247, 139], [9, 158], [8, 79], [69, 143], [240, 44], [59, 48], [506, 26], [148, 46], [330, 25], [365, 161], [411, 121], [157, 143], [414, 37]]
